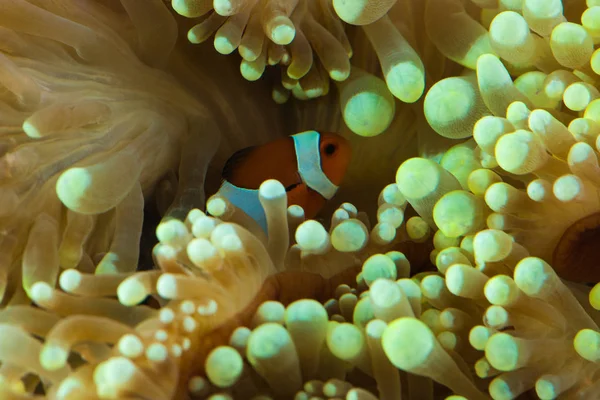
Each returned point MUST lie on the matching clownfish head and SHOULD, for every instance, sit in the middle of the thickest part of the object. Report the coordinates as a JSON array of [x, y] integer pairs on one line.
[[335, 156]]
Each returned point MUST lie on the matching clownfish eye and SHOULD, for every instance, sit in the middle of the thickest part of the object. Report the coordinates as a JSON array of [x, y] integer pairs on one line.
[[330, 149]]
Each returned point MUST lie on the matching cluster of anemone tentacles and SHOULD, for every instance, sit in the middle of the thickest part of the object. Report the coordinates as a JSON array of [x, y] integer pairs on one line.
[[309, 41], [243, 317], [83, 137], [229, 312]]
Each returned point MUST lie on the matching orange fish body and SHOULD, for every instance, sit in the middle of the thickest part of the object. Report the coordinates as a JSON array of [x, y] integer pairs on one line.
[[310, 165]]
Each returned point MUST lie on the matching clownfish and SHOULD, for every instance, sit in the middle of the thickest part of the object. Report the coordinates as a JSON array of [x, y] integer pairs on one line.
[[310, 165]]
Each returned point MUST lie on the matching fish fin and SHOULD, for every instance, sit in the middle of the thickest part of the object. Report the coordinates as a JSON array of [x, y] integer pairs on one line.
[[236, 159], [309, 199], [294, 185], [297, 194], [291, 187]]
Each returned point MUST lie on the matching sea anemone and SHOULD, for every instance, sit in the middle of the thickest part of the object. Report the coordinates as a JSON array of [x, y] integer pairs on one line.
[[83, 137], [466, 275], [309, 41]]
